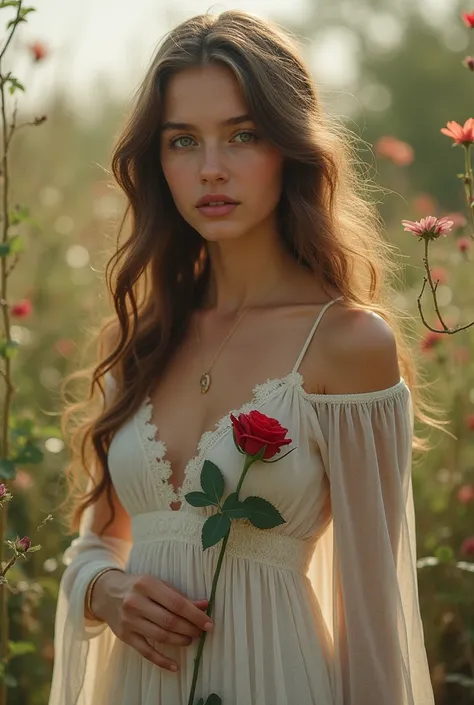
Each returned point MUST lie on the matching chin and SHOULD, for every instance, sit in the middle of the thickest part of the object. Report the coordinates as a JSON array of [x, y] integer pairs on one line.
[[221, 232]]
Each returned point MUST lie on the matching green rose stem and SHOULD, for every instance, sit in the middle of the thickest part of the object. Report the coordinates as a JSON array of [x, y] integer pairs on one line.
[[248, 462]]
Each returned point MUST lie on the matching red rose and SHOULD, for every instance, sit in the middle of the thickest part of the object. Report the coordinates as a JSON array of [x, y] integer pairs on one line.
[[254, 430]]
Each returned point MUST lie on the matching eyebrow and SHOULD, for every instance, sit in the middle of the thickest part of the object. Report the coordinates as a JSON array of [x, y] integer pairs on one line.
[[187, 126]]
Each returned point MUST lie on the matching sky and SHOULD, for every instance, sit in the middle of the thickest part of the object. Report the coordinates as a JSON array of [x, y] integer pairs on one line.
[[107, 44], [112, 39]]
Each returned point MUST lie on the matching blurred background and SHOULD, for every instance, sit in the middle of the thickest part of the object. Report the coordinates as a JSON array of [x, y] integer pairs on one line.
[[393, 70]]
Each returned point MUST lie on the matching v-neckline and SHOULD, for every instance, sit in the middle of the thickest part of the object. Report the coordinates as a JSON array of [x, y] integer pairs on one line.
[[156, 450]]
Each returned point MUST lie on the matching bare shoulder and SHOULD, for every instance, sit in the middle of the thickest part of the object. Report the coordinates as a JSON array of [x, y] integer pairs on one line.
[[357, 352]]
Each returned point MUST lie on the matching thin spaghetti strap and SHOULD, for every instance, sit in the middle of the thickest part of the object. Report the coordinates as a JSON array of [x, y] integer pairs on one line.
[[312, 332]]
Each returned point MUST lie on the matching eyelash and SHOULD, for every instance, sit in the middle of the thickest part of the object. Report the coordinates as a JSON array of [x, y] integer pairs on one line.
[[172, 143]]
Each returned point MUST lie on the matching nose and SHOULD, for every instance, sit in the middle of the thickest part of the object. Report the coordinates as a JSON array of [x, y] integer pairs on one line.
[[212, 167]]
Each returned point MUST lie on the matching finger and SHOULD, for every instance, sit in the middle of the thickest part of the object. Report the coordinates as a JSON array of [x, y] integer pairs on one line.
[[171, 622], [140, 644], [177, 604], [155, 633]]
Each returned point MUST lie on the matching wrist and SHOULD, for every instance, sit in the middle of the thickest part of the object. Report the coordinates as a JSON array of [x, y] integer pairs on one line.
[[97, 591]]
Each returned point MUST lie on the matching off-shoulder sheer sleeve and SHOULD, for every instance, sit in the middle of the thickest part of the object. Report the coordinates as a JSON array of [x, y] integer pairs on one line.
[[82, 646], [363, 570]]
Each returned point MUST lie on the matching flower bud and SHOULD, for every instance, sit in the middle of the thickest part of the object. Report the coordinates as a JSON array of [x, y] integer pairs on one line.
[[22, 545]]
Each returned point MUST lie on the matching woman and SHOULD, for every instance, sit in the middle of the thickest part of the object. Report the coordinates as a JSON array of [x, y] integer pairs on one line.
[[254, 278]]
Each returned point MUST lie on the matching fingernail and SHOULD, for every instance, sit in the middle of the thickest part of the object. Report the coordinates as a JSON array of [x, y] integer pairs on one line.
[[208, 626], [173, 667]]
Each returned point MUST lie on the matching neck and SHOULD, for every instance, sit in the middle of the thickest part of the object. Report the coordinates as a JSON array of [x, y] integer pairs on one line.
[[245, 275]]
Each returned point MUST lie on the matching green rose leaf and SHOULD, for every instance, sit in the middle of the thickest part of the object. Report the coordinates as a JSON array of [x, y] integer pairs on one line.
[[212, 481], [262, 514], [199, 499], [214, 529], [234, 508], [213, 699], [7, 469]]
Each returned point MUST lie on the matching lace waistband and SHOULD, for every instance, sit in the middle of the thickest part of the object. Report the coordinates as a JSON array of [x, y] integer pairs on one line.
[[245, 541]]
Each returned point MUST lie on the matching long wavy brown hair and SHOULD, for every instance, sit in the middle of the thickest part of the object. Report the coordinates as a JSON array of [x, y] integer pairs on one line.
[[159, 274]]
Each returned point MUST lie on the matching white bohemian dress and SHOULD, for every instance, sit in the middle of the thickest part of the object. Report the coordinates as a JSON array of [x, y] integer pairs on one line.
[[321, 610]]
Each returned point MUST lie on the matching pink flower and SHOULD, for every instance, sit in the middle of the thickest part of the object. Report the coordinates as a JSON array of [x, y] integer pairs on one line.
[[469, 63], [39, 51], [466, 494], [439, 274], [23, 545], [460, 134], [401, 153], [3, 490], [430, 340], [463, 244], [21, 309], [459, 220], [429, 227], [468, 19], [467, 548]]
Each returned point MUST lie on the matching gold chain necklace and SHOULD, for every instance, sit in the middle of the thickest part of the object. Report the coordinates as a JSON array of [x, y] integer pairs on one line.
[[205, 379]]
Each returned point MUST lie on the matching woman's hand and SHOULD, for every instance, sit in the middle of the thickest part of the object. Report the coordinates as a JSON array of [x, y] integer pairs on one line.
[[143, 610]]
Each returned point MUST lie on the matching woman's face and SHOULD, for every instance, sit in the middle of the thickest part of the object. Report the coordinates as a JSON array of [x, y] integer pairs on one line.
[[208, 154]]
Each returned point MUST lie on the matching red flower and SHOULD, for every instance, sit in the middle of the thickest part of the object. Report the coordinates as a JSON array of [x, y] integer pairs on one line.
[[469, 63], [467, 548], [21, 309], [468, 19], [22, 545], [425, 203], [38, 50], [401, 153], [430, 340], [254, 430], [439, 274], [470, 422], [466, 494], [460, 134], [463, 244]]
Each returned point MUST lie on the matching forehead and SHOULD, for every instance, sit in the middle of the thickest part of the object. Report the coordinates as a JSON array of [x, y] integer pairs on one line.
[[203, 93]]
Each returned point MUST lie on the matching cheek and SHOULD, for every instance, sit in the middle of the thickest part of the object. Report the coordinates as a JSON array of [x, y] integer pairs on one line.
[[265, 178], [176, 178]]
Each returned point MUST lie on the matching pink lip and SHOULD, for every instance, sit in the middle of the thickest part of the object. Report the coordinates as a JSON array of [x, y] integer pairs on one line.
[[204, 200], [218, 211]]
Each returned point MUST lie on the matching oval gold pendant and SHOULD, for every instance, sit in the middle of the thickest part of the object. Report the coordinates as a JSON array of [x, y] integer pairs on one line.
[[205, 382]]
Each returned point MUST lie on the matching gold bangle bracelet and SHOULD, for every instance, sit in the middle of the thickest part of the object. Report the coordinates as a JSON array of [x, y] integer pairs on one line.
[[90, 588]]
